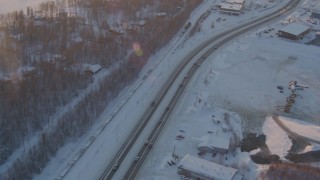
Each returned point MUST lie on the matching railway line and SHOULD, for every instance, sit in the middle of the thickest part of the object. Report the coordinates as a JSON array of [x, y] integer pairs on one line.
[[203, 51]]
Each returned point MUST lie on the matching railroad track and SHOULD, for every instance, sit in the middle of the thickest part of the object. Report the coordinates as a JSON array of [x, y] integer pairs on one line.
[[204, 51]]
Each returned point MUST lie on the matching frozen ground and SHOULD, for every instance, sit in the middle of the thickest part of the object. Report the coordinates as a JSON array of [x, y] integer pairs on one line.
[[240, 78], [277, 140]]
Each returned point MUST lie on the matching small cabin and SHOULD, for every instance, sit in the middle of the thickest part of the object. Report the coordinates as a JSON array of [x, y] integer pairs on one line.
[[93, 69]]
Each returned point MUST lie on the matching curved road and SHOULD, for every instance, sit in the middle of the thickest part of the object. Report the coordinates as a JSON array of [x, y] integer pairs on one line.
[[292, 134], [204, 51]]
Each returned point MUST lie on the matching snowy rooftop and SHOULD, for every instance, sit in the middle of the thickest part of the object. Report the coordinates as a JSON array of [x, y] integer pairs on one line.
[[295, 29], [212, 141], [230, 6], [95, 68], [27, 69], [207, 168], [142, 23], [234, 1]]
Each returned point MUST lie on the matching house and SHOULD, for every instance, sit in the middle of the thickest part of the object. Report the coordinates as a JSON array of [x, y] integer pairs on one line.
[[235, 1], [196, 168], [93, 69], [214, 143], [232, 7], [225, 128], [163, 14], [293, 31], [142, 22], [27, 71]]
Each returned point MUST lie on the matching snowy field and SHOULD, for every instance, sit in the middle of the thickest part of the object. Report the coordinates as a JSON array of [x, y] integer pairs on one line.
[[277, 140], [240, 79]]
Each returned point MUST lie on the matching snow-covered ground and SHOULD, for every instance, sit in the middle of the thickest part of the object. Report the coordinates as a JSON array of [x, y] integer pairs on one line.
[[243, 77], [277, 140], [240, 78], [303, 128]]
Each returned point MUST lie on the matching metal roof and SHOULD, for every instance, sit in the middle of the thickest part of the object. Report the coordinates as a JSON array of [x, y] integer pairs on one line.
[[207, 168], [295, 29], [234, 1], [212, 141], [230, 6]]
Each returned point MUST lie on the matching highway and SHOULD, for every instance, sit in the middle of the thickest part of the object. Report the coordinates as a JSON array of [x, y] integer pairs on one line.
[[203, 51]]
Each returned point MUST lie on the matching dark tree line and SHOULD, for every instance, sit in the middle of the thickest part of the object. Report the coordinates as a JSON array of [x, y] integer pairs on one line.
[[26, 105], [291, 171]]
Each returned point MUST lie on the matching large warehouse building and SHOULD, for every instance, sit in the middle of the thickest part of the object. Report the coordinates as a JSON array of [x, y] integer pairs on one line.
[[232, 7], [294, 31], [214, 144], [197, 168]]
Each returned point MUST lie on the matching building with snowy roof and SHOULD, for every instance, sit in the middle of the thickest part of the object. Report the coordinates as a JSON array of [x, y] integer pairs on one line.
[[93, 69], [197, 168], [27, 71], [214, 144], [294, 31], [232, 7], [234, 1]]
